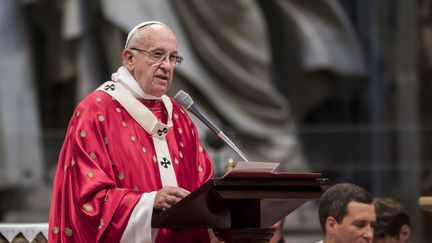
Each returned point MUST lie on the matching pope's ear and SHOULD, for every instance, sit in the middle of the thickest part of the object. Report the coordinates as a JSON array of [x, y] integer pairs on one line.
[[127, 58]]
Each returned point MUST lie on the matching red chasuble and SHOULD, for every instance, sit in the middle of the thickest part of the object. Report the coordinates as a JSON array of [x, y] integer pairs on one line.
[[108, 160]]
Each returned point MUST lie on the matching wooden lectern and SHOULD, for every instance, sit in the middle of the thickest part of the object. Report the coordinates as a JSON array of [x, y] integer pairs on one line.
[[242, 207]]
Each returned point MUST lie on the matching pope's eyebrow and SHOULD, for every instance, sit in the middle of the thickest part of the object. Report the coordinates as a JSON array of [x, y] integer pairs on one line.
[[162, 50]]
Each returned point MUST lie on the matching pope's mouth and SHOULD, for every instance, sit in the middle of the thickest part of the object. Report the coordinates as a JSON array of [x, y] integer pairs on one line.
[[161, 76]]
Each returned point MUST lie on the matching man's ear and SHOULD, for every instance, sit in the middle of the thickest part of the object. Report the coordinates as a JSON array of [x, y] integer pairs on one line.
[[128, 58], [405, 233], [330, 225]]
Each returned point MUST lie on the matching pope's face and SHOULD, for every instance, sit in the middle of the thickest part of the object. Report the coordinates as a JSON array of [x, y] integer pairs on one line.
[[357, 225], [154, 77]]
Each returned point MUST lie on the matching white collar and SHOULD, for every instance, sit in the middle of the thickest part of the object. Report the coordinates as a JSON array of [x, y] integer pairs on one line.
[[124, 77]]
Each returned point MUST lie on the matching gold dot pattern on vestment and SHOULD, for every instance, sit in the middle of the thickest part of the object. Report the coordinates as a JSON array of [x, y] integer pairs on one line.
[[200, 148], [101, 118], [68, 231], [83, 133], [180, 154], [98, 99], [90, 174], [88, 208], [143, 149], [106, 140], [176, 116], [181, 144], [180, 130], [78, 113], [65, 167], [92, 155], [133, 138], [124, 124], [136, 188], [73, 162], [200, 169], [121, 176], [118, 110], [154, 158], [193, 133], [56, 230], [176, 161]]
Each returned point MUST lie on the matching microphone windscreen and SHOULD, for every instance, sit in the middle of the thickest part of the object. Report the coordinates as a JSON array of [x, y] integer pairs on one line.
[[183, 99]]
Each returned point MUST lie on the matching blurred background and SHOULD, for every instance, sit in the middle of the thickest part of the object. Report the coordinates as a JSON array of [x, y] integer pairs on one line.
[[332, 86]]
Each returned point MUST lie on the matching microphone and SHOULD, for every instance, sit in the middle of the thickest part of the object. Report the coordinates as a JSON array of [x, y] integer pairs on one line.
[[186, 101]]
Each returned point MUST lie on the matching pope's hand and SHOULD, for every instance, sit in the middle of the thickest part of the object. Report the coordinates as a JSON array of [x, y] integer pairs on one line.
[[168, 196]]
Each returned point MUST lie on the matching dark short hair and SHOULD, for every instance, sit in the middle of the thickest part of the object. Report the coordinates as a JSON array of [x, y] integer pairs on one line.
[[391, 216], [334, 201]]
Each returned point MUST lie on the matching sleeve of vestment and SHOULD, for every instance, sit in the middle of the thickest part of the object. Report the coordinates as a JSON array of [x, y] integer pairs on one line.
[[87, 204], [139, 228]]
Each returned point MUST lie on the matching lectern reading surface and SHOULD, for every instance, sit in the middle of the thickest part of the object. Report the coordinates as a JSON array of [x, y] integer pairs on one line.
[[242, 200]]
